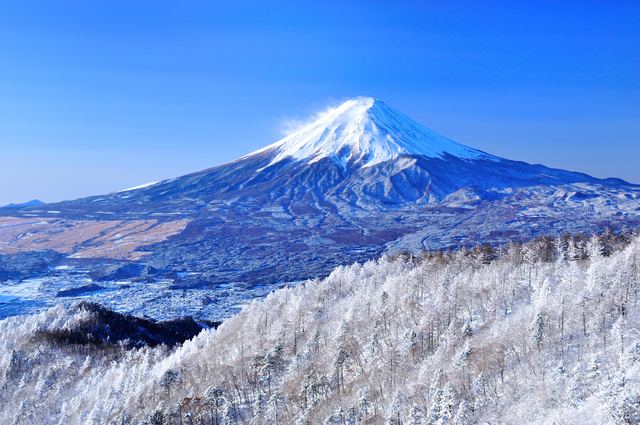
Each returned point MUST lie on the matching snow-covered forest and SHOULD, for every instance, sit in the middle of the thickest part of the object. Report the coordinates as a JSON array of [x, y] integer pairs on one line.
[[545, 332]]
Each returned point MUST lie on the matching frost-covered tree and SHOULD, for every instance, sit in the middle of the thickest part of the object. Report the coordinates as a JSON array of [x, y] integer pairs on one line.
[[156, 418], [395, 407], [537, 330], [229, 414], [463, 414], [448, 403], [213, 399], [480, 389], [275, 408], [416, 415]]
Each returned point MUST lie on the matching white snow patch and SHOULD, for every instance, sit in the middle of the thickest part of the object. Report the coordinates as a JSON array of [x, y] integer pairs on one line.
[[27, 289], [138, 187], [367, 132]]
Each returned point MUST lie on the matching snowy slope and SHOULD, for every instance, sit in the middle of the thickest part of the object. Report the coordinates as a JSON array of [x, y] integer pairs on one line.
[[366, 132], [546, 333]]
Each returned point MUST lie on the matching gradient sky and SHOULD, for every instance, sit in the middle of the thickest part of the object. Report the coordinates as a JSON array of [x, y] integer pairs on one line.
[[98, 96]]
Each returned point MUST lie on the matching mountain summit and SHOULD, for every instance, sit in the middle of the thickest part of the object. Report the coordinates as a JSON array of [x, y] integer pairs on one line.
[[366, 132]]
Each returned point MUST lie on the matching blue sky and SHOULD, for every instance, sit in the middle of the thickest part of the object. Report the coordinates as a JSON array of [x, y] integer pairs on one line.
[[98, 96]]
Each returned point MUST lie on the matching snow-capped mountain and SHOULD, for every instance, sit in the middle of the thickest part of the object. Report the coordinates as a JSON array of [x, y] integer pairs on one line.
[[363, 133], [361, 179], [362, 154]]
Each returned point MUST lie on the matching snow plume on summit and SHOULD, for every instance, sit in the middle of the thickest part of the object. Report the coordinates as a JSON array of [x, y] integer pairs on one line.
[[365, 132]]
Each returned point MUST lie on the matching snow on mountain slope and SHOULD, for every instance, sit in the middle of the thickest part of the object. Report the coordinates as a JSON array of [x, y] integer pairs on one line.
[[366, 132], [137, 187]]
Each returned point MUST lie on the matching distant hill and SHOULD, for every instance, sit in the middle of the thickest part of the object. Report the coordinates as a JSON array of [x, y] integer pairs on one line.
[[32, 203]]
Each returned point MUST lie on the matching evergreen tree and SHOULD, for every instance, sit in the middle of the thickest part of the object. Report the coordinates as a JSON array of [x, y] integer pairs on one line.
[[258, 409], [213, 399], [229, 414], [364, 401], [274, 408], [415, 415], [463, 414], [448, 402], [156, 418], [393, 412], [537, 330], [479, 389]]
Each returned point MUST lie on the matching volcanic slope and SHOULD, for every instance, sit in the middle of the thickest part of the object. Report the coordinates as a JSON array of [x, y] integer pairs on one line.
[[361, 179]]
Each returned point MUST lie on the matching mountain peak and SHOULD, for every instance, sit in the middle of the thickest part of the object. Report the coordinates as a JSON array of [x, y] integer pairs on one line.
[[365, 132]]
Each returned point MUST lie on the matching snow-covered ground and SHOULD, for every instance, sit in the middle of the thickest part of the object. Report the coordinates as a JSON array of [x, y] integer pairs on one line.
[[19, 291], [157, 299]]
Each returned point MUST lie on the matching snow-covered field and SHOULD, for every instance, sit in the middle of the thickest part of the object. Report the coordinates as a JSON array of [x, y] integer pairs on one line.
[[157, 299], [20, 291]]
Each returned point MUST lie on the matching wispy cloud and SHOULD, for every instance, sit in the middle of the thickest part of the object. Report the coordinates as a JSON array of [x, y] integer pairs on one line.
[[289, 125]]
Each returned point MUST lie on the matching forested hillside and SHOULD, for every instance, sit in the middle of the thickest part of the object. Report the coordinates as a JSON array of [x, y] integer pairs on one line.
[[545, 332]]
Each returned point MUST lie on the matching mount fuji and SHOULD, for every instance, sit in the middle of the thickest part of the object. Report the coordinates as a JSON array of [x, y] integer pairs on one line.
[[360, 180]]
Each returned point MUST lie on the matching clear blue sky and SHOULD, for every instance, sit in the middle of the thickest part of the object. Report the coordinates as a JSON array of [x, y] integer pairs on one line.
[[98, 96]]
